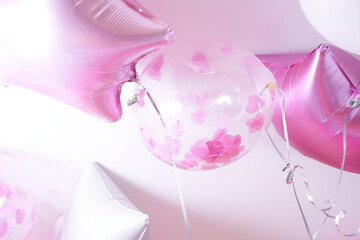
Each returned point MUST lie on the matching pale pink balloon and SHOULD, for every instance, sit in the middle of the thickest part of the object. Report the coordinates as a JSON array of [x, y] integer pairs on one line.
[[77, 51], [317, 86]]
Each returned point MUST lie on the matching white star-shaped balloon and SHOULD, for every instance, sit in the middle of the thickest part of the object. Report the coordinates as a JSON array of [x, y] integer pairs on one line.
[[100, 211]]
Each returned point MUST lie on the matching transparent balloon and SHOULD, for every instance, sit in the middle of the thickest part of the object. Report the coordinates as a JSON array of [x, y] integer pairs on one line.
[[203, 106], [18, 204]]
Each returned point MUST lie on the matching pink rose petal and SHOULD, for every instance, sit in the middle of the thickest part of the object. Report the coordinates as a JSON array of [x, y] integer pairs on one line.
[[221, 149], [227, 49], [200, 61], [164, 151], [219, 133], [13, 193], [200, 99], [189, 163], [141, 101], [3, 190], [209, 166], [180, 166], [3, 228], [20, 216], [178, 129], [256, 123], [34, 211], [153, 69], [152, 143], [200, 149], [175, 144], [198, 117], [255, 102], [157, 63], [191, 157]]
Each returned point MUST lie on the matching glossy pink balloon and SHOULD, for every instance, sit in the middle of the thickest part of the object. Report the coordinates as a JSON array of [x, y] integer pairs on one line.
[[77, 51], [317, 86]]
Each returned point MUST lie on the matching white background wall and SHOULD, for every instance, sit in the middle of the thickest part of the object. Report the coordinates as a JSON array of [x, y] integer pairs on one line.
[[246, 200]]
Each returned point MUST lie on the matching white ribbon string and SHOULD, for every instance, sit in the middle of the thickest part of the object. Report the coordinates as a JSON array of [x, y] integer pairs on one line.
[[181, 197], [328, 205], [342, 214]]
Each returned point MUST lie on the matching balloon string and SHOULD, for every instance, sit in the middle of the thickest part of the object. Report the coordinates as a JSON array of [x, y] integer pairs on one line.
[[302, 212], [286, 135], [330, 203], [342, 214], [290, 177], [181, 197]]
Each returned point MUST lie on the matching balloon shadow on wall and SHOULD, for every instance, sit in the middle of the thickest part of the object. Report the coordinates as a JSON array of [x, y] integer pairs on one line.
[[166, 220]]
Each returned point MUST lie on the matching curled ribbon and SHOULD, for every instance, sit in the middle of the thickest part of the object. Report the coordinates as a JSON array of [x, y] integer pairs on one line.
[[329, 204]]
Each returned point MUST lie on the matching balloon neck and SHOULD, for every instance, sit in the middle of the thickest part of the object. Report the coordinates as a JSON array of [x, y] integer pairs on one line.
[[134, 76], [272, 87], [126, 74], [131, 76], [353, 103]]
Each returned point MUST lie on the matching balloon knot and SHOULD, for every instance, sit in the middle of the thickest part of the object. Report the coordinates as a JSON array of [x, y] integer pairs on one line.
[[353, 103], [272, 87], [290, 176]]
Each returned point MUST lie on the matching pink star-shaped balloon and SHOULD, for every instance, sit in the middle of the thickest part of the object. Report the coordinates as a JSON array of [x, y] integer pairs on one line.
[[77, 51]]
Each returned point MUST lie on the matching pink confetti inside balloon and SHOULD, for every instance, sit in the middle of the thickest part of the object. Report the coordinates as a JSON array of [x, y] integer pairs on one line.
[[77, 51], [18, 205], [209, 98]]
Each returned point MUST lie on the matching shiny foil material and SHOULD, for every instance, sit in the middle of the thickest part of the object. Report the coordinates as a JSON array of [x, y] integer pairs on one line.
[[317, 88], [77, 51]]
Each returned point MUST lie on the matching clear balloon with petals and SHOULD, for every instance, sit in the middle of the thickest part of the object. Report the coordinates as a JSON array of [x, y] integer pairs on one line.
[[212, 98], [18, 204]]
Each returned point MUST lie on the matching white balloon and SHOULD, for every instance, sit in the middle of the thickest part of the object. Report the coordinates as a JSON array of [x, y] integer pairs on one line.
[[336, 20], [100, 211]]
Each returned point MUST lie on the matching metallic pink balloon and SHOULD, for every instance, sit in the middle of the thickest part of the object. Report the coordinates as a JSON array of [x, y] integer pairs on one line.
[[317, 86], [77, 51]]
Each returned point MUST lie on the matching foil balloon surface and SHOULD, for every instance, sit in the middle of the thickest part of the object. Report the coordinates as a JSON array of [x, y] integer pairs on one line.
[[77, 51], [317, 89]]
